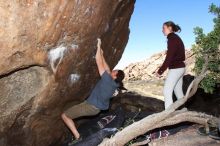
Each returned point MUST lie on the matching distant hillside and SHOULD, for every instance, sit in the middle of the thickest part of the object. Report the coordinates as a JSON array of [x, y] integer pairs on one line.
[[145, 70]]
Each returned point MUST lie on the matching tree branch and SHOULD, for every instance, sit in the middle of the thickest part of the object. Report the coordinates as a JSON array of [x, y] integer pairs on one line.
[[179, 117]]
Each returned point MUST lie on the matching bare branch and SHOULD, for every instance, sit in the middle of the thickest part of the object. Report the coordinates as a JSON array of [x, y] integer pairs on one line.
[[182, 116], [189, 116]]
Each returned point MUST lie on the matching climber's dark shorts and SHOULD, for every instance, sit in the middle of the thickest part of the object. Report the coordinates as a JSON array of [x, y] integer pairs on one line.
[[82, 109]]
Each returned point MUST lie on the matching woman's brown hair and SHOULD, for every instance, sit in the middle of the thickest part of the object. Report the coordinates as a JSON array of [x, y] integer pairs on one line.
[[175, 27]]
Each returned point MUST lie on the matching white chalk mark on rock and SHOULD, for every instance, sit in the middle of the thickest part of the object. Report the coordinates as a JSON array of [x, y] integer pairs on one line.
[[57, 54], [115, 50], [54, 55], [73, 78]]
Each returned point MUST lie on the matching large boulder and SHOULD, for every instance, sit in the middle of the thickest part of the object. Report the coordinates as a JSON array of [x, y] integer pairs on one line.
[[47, 61]]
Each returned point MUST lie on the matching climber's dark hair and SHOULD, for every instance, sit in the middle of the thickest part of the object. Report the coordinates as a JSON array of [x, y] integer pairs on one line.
[[175, 27], [120, 76]]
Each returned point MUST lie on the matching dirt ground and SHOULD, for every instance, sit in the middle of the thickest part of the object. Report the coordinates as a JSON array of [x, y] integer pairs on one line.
[[146, 88], [186, 137]]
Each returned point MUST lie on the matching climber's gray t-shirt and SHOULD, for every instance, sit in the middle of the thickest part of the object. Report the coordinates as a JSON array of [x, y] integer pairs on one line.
[[103, 92]]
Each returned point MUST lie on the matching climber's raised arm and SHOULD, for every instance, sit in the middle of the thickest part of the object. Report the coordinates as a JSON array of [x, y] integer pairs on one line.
[[106, 66], [99, 58]]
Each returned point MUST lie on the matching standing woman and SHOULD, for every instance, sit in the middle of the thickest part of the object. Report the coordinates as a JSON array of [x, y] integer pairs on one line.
[[174, 60]]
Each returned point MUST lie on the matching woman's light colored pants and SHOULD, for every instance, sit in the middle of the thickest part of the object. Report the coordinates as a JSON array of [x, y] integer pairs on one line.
[[174, 82]]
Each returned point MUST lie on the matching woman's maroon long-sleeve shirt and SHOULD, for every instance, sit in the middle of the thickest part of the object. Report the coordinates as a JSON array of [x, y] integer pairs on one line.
[[175, 53]]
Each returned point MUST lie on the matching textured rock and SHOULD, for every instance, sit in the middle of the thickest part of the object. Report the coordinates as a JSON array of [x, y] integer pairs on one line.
[[145, 70], [47, 60]]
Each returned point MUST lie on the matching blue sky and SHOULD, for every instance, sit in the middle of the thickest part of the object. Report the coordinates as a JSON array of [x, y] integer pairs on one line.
[[146, 36]]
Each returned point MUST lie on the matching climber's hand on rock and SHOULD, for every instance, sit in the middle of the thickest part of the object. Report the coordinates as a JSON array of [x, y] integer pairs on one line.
[[99, 43]]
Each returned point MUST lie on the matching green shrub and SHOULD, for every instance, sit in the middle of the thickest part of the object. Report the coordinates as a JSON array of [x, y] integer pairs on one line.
[[208, 44]]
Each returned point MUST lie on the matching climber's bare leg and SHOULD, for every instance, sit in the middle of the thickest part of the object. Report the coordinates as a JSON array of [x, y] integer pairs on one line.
[[71, 125]]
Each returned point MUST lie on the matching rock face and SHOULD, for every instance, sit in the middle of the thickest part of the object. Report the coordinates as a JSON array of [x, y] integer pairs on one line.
[[47, 60], [146, 69]]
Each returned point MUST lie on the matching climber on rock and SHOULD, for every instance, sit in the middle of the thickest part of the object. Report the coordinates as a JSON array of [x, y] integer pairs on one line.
[[100, 96]]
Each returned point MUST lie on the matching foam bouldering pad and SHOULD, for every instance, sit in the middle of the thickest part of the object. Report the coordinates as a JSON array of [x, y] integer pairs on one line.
[[96, 129]]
